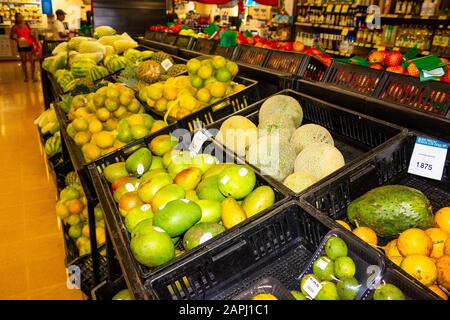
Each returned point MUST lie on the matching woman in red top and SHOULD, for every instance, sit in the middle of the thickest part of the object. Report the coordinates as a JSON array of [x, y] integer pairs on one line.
[[22, 34]]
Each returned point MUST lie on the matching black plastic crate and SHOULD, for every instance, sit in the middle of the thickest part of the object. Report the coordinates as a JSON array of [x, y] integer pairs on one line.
[[218, 110], [158, 36], [226, 52], [363, 259], [429, 96], [149, 35], [184, 42], [354, 78], [70, 247], [384, 167], [355, 135], [203, 45], [48, 46], [267, 285], [170, 38], [83, 266], [251, 55], [108, 289], [115, 223], [278, 245], [284, 61], [410, 289]]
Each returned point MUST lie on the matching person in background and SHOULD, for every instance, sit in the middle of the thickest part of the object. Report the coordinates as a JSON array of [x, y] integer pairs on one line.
[[59, 30], [217, 20], [21, 32], [246, 25]]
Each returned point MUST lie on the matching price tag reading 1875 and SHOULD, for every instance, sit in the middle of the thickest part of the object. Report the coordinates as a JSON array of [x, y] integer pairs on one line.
[[428, 158]]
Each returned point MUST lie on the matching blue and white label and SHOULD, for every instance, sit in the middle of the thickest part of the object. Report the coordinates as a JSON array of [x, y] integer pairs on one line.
[[428, 158]]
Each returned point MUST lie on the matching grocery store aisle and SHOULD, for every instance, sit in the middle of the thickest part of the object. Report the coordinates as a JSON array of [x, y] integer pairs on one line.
[[31, 245]]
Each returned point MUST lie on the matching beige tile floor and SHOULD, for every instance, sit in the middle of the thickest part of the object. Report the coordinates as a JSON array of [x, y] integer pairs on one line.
[[31, 245]]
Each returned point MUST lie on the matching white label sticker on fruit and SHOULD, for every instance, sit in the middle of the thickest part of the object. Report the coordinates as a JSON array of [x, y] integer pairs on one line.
[[166, 64], [225, 179], [205, 237], [129, 187], [243, 172], [312, 287], [322, 264], [428, 158], [140, 169], [198, 140], [146, 207], [158, 229]]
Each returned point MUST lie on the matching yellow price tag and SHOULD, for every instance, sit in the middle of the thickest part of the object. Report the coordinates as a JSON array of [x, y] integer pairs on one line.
[[345, 8], [344, 32], [442, 18], [330, 8], [338, 7]]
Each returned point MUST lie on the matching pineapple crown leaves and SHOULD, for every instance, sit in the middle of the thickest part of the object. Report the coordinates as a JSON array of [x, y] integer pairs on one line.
[[129, 75], [65, 102]]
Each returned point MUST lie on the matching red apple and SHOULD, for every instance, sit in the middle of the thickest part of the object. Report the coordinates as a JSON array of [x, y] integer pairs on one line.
[[393, 59]]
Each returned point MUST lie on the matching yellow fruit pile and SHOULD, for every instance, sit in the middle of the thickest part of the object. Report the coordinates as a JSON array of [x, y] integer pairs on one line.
[[425, 254], [71, 208], [209, 81], [96, 119]]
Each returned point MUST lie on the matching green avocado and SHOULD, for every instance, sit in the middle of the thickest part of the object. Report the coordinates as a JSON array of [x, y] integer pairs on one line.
[[391, 209]]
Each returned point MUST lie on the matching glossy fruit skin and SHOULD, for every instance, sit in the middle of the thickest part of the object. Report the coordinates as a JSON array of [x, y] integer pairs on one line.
[[393, 59], [177, 216], [396, 69], [377, 56], [420, 267], [376, 66], [413, 71]]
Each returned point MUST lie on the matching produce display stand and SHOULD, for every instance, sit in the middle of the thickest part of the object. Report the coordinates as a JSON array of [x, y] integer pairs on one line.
[[107, 290], [160, 41], [279, 245], [94, 267], [355, 135], [385, 167], [218, 110], [226, 52], [380, 108], [138, 277]]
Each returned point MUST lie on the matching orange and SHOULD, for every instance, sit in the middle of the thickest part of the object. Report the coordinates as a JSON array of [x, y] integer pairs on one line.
[[344, 224], [414, 241], [396, 260], [438, 237], [442, 219], [75, 206], [443, 271], [367, 235], [420, 267], [391, 250], [447, 247], [438, 291]]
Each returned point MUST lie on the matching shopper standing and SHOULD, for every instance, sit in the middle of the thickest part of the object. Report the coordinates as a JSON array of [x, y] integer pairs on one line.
[[59, 30], [21, 32]]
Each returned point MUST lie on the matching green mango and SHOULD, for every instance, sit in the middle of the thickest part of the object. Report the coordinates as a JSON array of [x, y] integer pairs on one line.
[[167, 194], [216, 170], [177, 216], [200, 233], [157, 163], [208, 189], [137, 215], [148, 188], [115, 171], [124, 131], [204, 161], [237, 181], [139, 162], [162, 144], [210, 210], [188, 178], [148, 120], [258, 200]]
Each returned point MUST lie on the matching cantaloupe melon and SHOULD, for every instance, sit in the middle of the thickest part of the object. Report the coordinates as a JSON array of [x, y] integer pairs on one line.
[[237, 133], [274, 157], [279, 123], [299, 181], [284, 105], [319, 159], [308, 134]]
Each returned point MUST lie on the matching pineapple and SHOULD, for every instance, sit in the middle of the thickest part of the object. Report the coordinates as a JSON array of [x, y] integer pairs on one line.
[[149, 71], [160, 56], [176, 69]]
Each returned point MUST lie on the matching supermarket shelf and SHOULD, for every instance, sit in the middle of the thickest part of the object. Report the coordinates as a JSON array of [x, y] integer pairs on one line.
[[352, 5], [402, 49], [444, 18], [323, 26]]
